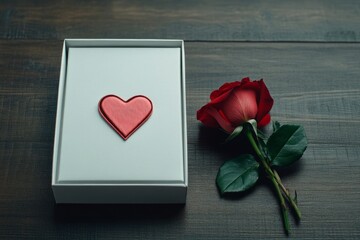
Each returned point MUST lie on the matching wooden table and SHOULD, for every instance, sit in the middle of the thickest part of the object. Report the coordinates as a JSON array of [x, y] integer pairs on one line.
[[308, 53]]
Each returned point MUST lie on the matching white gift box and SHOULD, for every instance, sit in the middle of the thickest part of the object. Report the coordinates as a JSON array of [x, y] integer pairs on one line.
[[91, 162]]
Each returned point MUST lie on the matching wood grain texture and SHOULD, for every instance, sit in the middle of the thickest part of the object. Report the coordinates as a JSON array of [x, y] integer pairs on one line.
[[28, 90], [313, 84], [324, 20]]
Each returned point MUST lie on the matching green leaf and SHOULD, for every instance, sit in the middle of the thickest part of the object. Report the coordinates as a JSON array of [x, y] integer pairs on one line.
[[287, 145], [253, 123], [261, 135], [263, 147], [239, 129], [276, 125], [234, 134], [238, 175], [251, 126]]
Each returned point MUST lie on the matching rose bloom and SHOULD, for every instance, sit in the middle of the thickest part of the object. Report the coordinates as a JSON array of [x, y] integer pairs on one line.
[[235, 103]]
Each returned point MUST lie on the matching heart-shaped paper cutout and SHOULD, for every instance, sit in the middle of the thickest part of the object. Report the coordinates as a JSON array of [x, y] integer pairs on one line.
[[125, 117]]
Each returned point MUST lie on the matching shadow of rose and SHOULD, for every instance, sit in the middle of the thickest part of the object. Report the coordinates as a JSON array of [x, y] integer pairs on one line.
[[212, 140]]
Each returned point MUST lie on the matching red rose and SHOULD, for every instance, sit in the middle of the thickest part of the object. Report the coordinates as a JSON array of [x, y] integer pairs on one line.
[[235, 103]]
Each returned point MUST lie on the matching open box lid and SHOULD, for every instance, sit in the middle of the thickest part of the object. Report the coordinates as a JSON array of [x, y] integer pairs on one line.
[[86, 149]]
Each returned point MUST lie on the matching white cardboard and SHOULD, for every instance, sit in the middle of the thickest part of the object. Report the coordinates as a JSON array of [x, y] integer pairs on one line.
[[92, 163]]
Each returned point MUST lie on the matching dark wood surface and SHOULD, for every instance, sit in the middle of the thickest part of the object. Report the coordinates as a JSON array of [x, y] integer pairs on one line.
[[306, 51], [250, 20]]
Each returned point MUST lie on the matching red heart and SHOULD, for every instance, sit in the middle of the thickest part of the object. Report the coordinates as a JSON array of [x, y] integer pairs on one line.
[[125, 117]]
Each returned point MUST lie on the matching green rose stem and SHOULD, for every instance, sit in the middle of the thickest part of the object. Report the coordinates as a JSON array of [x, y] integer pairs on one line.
[[283, 188], [272, 177], [274, 174], [288, 197]]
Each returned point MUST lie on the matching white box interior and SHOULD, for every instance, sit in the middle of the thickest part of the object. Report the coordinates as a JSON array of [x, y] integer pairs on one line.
[[86, 149]]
